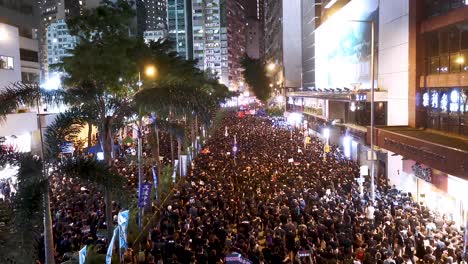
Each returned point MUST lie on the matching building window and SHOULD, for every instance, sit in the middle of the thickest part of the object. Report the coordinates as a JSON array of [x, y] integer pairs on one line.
[[29, 77], [29, 55], [6, 63], [447, 50]]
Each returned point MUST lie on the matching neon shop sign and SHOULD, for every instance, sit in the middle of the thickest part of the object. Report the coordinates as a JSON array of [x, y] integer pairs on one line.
[[445, 101]]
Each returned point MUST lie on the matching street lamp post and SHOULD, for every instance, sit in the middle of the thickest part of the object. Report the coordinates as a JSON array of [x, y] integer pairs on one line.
[[149, 71]]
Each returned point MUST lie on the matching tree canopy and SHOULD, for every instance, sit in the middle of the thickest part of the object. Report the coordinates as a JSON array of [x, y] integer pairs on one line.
[[256, 77]]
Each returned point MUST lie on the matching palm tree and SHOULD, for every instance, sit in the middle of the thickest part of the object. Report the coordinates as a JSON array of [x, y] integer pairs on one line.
[[101, 70], [33, 174], [177, 97]]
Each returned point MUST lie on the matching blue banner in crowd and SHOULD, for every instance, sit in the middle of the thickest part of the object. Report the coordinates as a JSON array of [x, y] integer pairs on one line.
[[155, 177], [155, 183], [144, 197], [122, 220], [111, 246], [82, 255]]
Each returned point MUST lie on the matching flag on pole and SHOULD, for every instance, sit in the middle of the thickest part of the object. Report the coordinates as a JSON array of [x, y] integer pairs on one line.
[[155, 177], [183, 165], [111, 246], [82, 255], [176, 165], [122, 220]]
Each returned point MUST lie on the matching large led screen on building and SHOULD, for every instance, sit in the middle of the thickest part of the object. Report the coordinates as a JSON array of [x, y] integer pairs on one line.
[[343, 46]]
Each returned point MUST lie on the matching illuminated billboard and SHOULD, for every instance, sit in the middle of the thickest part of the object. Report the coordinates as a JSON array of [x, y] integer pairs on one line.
[[343, 46]]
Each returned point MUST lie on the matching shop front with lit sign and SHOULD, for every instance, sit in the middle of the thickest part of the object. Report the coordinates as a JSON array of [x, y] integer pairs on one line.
[[446, 109]]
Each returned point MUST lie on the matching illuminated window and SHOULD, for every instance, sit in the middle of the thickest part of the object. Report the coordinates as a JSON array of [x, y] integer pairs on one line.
[[6, 63]]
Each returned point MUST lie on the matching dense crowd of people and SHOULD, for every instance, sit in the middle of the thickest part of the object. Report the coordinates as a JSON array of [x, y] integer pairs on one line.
[[78, 208], [256, 190], [272, 201]]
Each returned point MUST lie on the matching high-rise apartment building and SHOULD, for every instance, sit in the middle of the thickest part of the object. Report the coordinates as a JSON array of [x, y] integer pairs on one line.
[[54, 36], [59, 41], [236, 18], [179, 18], [219, 38], [19, 61], [207, 33], [150, 23], [19, 50], [151, 16]]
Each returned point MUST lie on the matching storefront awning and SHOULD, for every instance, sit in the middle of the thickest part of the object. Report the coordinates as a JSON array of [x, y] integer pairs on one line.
[[344, 96], [440, 151]]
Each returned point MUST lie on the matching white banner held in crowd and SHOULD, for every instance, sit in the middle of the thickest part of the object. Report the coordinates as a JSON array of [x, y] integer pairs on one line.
[[176, 165], [111, 246], [122, 220], [183, 165], [82, 255]]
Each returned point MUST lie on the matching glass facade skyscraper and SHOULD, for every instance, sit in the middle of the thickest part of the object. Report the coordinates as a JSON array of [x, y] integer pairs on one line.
[[179, 16]]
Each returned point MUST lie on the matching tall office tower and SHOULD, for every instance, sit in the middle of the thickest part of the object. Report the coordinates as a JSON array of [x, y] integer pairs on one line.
[[179, 14], [283, 37], [255, 29], [151, 16], [55, 39], [254, 38], [311, 12], [219, 38], [236, 42]]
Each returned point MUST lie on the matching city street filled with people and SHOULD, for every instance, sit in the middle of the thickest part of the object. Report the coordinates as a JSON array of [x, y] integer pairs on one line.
[[258, 192]]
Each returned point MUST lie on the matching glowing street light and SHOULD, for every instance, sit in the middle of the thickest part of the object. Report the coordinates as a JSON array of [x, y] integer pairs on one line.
[[150, 71], [271, 66]]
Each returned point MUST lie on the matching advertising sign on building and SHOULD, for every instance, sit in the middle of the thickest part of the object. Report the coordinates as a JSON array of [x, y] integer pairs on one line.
[[343, 46]]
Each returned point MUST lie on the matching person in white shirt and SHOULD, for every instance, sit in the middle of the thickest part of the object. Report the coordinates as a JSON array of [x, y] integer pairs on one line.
[[370, 212]]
